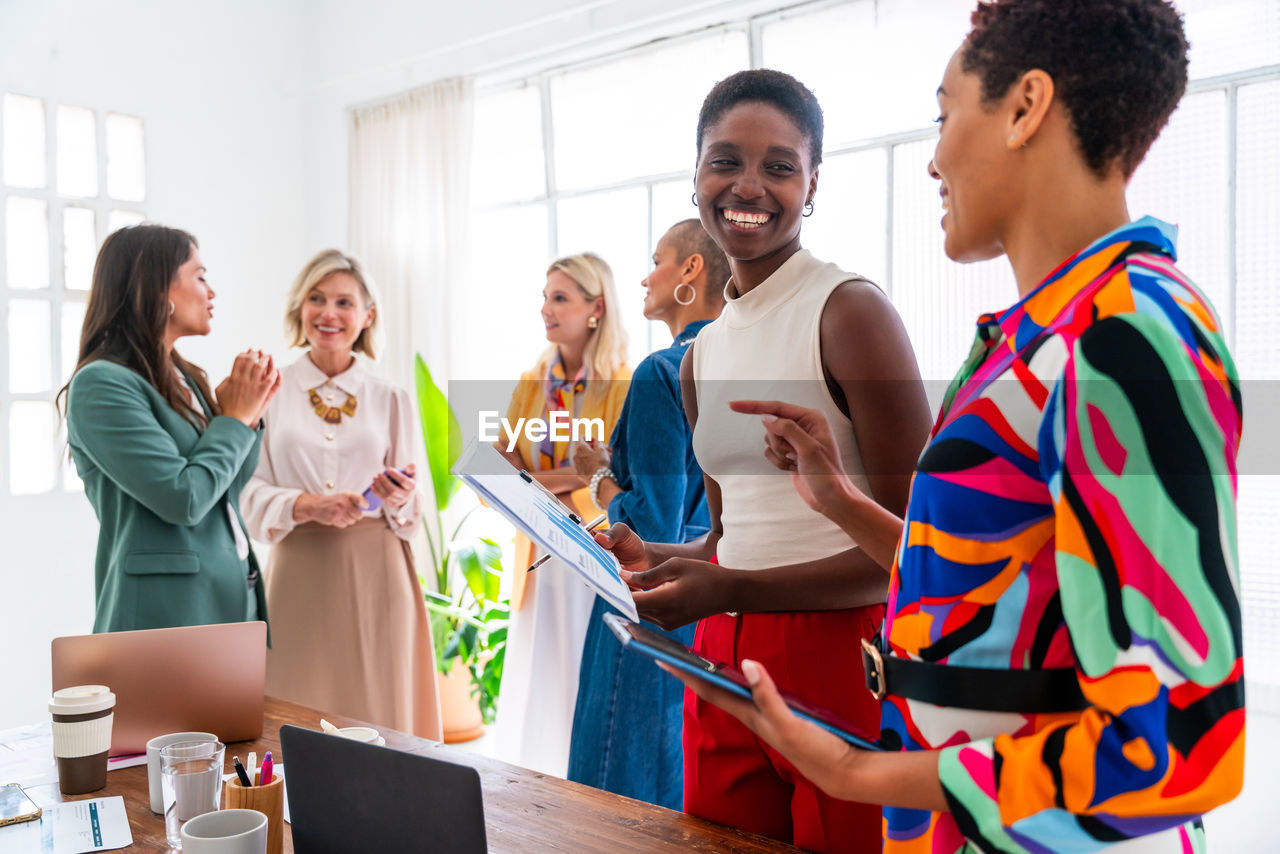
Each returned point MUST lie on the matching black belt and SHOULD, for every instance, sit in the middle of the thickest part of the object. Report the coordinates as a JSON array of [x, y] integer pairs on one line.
[[979, 688]]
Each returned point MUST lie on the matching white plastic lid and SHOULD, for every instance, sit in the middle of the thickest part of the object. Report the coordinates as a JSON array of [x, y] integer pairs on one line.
[[81, 700]]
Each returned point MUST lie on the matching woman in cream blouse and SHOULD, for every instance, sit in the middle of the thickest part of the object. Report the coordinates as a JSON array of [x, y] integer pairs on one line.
[[349, 625]]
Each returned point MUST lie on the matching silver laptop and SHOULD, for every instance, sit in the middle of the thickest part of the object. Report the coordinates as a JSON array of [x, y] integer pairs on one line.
[[200, 678]]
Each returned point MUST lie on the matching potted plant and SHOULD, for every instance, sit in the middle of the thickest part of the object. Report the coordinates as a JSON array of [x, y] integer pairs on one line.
[[468, 620]]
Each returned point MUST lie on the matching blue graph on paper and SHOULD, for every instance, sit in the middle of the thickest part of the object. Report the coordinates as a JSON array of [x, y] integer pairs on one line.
[[540, 515]]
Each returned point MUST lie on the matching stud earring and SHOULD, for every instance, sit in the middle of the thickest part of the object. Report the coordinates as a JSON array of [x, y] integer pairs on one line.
[[592, 322]]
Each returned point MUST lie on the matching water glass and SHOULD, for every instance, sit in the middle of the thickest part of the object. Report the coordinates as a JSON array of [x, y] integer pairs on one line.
[[191, 783]]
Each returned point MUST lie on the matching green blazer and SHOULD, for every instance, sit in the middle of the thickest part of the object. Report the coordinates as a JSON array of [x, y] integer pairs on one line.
[[160, 487]]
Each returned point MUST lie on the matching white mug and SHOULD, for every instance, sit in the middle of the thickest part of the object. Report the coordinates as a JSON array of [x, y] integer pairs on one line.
[[368, 735], [226, 832], [153, 762]]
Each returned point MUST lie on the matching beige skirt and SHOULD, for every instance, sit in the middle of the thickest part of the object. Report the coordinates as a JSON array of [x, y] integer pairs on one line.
[[349, 629]]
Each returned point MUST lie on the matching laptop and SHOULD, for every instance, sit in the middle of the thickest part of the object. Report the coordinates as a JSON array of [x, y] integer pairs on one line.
[[198, 678], [349, 796]]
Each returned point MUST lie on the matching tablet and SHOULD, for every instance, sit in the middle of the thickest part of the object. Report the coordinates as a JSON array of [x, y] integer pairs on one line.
[[662, 648]]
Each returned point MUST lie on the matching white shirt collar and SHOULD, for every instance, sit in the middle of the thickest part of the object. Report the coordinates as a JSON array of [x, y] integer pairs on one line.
[[308, 376]]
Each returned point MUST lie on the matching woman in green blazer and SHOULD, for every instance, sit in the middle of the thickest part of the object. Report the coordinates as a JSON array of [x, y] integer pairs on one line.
[[163, 459]]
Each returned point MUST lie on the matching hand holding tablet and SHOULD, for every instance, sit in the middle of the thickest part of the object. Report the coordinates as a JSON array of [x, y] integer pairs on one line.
[[680, 657]]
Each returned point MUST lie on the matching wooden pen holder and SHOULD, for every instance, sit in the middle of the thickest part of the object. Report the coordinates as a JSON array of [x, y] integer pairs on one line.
[[268, 800]]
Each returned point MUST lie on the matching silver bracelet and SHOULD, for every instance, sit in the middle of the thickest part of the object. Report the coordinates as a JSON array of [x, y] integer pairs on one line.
[[594, 488]]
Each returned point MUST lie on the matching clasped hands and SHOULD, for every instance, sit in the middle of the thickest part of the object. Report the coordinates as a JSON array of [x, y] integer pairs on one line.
[[247, 390]]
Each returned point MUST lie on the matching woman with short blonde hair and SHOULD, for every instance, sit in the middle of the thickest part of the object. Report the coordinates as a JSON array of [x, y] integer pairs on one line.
[[334, 494], [319, 268]]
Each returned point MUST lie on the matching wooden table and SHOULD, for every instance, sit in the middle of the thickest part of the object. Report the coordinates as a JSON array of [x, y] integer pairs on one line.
[[524, 810]]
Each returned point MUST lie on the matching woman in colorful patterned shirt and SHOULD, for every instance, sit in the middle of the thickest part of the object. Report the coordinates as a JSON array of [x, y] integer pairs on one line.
[[1062, 658]]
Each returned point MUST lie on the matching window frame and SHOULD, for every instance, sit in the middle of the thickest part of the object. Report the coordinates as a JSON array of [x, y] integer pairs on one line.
[[57, 294]]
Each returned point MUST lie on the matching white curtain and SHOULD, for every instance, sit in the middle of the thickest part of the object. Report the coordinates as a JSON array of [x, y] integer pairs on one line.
[[410, 206]]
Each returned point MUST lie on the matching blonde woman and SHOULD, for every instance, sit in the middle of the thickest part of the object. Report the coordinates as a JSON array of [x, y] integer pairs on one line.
[[582, 372], [351, 632]]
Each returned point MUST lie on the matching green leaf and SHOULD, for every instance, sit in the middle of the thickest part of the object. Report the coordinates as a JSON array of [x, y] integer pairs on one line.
[[440, 434], [480, 563]]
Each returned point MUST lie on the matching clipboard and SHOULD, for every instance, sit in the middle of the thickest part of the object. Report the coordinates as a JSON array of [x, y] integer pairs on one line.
[[537, 512], [646, 641]]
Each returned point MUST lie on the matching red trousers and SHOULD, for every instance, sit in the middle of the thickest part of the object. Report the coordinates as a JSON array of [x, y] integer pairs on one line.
[[732, 777]]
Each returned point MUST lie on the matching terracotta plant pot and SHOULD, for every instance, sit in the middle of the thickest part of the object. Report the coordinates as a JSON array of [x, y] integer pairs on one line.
[[459, 709]]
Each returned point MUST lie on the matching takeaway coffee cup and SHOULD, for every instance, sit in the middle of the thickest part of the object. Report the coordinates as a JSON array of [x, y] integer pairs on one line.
[[82, 718]]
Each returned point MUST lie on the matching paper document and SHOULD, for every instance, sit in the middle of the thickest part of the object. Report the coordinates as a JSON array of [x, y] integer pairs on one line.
[[26, 756], [541, 516], [75, 827]]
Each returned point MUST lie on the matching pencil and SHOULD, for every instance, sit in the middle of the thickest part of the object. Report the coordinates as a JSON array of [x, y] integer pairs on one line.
[[593, 524]]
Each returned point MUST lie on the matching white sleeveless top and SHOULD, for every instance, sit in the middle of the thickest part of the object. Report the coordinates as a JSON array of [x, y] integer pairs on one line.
[[766, 346]]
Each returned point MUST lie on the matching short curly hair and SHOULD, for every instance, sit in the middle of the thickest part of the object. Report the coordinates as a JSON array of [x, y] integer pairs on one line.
[[766, 86], [1118, 66]]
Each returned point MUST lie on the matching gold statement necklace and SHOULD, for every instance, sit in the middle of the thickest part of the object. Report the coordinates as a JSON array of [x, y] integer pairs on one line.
[[331, 414]]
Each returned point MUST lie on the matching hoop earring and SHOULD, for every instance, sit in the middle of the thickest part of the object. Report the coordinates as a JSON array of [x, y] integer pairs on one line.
[[172, 308], [808, 209], [693, 293], [592, 323], [694, 198]]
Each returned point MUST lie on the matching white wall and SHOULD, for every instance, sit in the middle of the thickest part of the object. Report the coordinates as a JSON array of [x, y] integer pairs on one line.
[[216, 85]]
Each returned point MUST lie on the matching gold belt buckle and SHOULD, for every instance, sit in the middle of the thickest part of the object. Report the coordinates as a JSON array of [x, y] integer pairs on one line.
[[869, 650]]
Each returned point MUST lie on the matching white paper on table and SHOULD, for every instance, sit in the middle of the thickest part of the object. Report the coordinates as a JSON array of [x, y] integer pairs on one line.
[[276, 771], [541, 516], [75, 827], [26, 756]]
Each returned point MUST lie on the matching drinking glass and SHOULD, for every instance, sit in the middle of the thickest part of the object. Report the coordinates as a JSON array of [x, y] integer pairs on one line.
[[191, 782]]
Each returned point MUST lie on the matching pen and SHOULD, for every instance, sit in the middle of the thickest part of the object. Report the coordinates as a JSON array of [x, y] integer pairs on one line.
[[244, 778], [251, 765], [595, 523], [264, 776]]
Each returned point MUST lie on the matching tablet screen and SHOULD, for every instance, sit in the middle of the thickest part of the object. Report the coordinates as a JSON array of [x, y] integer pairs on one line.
[[648, 641]]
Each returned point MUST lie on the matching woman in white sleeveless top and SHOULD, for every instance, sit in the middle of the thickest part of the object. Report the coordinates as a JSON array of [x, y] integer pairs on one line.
[[786, 583]]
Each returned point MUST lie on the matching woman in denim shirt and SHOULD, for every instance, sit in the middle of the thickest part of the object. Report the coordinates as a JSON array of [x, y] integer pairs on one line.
[[627, 723]]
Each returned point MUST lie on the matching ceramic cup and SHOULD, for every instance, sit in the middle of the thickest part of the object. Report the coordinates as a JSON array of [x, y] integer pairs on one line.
[[153, 762], [368, 735], [226, 832]]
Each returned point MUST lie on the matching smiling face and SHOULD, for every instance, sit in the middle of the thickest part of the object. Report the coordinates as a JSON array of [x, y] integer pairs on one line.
[[334, 314], [754, 178], [972, 164], [566, 310], [660, 285], [192, 299]]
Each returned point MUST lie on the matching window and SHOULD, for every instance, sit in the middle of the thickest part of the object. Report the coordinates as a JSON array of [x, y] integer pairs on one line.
[[55, 214], [605, 163]]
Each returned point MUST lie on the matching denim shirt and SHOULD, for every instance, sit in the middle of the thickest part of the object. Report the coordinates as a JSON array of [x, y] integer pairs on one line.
[[664, 497]]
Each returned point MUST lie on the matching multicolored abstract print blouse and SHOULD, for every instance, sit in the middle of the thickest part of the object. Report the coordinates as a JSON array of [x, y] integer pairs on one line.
[[1075, 508]]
